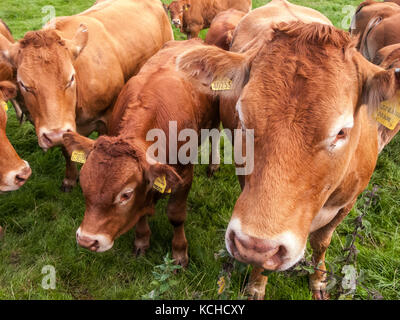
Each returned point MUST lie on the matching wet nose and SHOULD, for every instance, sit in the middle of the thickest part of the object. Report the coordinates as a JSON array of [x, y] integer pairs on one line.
[[176, 22], [49, 139], [87, 242], [258, 252], [22, 176]]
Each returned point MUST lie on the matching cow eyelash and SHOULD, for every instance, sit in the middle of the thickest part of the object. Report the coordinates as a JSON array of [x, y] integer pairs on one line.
[[70, 82], [125, 197], [27, 89]]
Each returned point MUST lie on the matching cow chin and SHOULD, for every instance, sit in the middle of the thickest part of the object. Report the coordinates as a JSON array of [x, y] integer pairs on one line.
[[277, 253], [94, 242]]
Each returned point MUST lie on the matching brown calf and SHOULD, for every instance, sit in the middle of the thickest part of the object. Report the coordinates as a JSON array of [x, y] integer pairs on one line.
[[380, 33], [368, 10], [192, 16], [118, 177], [71, 71], [308, 94], [14, 172], [222, 27]]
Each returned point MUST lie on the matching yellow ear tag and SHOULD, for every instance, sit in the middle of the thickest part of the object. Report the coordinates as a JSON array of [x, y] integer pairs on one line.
[[78, 156], [388, 113], [221, 85], [160, 184], [4, 105]]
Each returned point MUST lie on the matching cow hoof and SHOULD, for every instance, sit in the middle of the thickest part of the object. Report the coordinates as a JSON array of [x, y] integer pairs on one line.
[[212, 169], [183, 262], [67, 185], [320, 295], [139, 251], [254, 294]]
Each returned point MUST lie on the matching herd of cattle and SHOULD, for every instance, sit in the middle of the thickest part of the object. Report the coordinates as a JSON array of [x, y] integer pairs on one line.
[[322, 102]]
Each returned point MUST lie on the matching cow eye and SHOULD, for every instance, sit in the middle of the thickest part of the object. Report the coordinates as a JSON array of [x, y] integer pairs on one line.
[[342, 134], [71, 81], [24, 87], [125, 196]]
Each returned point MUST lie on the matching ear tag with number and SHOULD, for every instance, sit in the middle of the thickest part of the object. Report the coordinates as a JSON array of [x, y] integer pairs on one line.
[[78, 156], [388, 113], [221, 85], [160, 184], [4, 105]]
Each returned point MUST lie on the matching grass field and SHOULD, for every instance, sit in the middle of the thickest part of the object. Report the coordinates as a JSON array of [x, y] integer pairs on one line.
[[41, 221]]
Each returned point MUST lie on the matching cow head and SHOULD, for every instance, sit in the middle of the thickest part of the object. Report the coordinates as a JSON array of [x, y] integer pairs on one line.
[[47, 79], [14, 172], [117, 183], [302, 93], [177, 9]]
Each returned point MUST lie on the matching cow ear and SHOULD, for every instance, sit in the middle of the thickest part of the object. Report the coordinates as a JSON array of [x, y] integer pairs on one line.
[[80, 40], [75, 142], [382, 86], [163, 178], [8, 90], [166, 7], [8, 50], [211, 65]]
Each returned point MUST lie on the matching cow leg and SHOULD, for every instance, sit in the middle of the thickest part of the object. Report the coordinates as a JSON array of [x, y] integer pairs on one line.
[[214, 154], [176, 211], [71, 173], [319, 241], [256, 286], [142, 237]]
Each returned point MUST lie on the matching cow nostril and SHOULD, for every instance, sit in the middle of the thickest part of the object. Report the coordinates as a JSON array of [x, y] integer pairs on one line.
[[95, 245], [46, 139]]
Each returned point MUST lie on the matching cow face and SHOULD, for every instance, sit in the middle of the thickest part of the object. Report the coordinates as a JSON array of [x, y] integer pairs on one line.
[[303, 95], [117, 183], [47, 80], [177, 9], [14, 172]]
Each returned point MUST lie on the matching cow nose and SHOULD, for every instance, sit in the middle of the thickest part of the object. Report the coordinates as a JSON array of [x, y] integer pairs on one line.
[[176, 22], [22, 176], [258, 252], [87, 242], [49, 139]]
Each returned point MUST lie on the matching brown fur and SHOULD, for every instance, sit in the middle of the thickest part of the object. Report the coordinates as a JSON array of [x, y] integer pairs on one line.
[[104, 46], [302, 78], [388, 57], [157, 95], [222, 27], [197, 15]]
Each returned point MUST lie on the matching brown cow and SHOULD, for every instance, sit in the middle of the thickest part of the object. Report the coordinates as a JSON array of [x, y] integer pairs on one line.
[[395, 1], [14, 172], [117, 179], [368, 10], [192, 16], [388, 57], [71, 75], [380, 33], [308, 94], [222, 28]]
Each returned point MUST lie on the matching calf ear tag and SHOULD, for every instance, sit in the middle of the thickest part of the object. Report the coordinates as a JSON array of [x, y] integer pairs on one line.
[[4, 105], [78, 156], [388, 113], [160, 184], [221, 85]]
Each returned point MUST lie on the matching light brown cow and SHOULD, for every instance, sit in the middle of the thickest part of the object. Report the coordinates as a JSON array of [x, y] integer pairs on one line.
[[394, 1], [192, 16], [14, 171], [368, 10], [70, 76], [6, 71], [380, 33], [222, 28], [118, 178], [308, 94]]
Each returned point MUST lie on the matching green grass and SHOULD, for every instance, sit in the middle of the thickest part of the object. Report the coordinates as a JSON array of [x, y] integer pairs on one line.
[[41, 221]]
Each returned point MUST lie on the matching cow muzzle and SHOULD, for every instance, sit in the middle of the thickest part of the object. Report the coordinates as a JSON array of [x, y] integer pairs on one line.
[[14, 180], [176, 22], [279, 253], [51, 138], [93, 242]]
